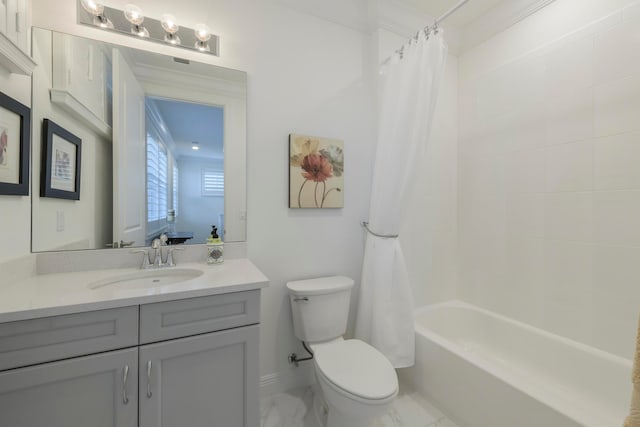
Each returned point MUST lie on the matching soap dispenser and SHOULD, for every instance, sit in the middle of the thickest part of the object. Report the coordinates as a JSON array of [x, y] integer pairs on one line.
[[215, 247]]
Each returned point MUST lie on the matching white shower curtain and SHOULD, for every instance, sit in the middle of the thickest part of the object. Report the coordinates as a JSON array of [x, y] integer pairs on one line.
[[409, 93]]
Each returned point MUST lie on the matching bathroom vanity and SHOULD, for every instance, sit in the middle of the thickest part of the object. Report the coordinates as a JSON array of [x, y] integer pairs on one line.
[[181, 354]]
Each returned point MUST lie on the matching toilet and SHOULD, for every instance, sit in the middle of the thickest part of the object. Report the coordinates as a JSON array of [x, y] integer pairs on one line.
[[357, 382]]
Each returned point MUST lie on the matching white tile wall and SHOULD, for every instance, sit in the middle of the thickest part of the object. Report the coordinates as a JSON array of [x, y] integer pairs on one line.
[[569, 167], [616, 217], [569, 115], [617, 52], [616, 160], [549, 178], [617, 106]]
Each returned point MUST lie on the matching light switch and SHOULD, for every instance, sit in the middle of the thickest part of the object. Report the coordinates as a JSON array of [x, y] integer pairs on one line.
[[59, 220]]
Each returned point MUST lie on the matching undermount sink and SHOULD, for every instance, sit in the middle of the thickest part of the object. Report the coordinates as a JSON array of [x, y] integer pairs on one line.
[[148, 278]]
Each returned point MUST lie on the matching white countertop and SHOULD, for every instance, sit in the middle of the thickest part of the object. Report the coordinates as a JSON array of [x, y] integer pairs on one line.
[[64, 293]]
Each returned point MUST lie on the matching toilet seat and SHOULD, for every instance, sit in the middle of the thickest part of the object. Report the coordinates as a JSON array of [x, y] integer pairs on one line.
[[356, 369]]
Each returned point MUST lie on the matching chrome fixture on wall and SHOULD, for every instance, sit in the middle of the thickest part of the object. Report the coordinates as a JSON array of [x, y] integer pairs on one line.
[[130, 22]]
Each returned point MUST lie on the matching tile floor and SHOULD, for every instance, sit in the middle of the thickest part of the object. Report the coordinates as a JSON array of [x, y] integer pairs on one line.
[[295, 409]]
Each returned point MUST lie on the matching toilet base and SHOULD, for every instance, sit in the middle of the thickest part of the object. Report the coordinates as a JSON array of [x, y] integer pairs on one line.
[[327, 416], [320, 407]]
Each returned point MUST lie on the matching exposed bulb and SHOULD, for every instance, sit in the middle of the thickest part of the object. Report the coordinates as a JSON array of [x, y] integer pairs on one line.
[[133, 14], [91, 6], [169, 24], [202, 32]]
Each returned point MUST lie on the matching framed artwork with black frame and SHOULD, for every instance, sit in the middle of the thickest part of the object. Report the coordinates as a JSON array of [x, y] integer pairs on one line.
[[61, 155], [15, 142]]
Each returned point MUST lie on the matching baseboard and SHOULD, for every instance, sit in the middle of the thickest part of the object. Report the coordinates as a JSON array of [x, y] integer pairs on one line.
[[279, 382]]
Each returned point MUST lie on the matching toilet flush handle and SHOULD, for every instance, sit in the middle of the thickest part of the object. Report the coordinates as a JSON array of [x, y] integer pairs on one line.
[[298, 299]]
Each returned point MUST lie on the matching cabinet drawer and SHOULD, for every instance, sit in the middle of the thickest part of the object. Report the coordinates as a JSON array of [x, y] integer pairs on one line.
[[28, 342], [181, 318]]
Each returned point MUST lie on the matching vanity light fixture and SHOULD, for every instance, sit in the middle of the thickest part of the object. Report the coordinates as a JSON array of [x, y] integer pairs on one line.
[[164, 30], [96, 10], [134, 15]]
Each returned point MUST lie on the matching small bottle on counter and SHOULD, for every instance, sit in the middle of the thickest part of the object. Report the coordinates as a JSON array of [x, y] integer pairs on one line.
[[171, 221], [215, 247]]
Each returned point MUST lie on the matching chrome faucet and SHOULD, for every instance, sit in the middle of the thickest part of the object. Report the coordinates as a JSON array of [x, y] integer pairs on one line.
[[145, 258], [156, 246]]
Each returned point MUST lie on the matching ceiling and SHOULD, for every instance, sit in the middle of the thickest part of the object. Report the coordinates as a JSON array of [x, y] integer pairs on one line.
[[188, 122]]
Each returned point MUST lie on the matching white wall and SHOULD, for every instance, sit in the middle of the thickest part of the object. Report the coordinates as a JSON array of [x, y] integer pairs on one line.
[[305, 75], [549, 188], [15, 218]]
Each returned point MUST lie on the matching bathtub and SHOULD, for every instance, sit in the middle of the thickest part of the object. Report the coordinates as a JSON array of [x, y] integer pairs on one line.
[[486, 370]]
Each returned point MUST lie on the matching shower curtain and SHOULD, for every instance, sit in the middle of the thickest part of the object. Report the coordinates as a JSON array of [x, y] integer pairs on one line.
[[409, 93]]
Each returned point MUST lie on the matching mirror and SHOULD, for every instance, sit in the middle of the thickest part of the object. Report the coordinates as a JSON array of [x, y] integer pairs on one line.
[[163, 145]]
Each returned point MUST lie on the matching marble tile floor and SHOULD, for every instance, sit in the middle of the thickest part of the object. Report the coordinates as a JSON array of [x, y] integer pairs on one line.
[[294, 408]]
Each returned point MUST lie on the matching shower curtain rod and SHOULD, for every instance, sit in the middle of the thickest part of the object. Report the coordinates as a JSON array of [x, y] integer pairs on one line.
[[437, 21], [450, 12]]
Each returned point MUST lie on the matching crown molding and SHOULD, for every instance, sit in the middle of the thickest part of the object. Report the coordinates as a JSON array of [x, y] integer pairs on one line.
[[14, 59]]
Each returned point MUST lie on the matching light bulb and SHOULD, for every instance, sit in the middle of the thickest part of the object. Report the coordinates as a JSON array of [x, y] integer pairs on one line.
[[97, 10], [202, 32], [133, 14], [169, 24], [92, 7]]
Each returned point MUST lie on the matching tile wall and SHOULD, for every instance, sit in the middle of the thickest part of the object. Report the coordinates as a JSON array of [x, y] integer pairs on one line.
[[549, 185]]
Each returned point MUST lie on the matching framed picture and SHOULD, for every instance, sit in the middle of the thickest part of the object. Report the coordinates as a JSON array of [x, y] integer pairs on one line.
[[61, 155], [316, 172], [15, 142]]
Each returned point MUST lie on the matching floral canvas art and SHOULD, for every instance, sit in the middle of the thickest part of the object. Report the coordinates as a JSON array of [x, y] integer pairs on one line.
[[316, 172]]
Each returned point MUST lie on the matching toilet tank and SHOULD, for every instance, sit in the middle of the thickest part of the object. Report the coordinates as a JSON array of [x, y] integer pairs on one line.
[[320, 307]]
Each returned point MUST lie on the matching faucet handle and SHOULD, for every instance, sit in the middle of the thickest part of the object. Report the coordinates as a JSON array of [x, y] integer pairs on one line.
[[145, 258], [170, 262], [156, 243]]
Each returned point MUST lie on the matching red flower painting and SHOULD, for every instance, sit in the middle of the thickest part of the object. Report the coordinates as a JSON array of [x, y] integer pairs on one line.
[[316, 160]]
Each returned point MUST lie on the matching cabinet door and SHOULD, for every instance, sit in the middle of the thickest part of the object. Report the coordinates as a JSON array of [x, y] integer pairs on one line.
[[208, 380], [80, 392]]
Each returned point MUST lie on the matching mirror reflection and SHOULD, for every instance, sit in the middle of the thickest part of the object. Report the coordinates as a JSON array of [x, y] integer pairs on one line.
[[163, 145]]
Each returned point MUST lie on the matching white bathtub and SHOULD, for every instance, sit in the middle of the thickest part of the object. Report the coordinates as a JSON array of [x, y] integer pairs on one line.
[[486, 370]]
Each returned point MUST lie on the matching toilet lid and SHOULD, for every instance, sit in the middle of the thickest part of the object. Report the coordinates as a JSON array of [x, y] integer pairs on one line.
[[357, 368]]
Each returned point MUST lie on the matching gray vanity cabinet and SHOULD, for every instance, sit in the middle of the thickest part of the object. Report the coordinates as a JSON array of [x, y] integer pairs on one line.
[[199, 362], [80, 392], [181, 363], [208, 380]]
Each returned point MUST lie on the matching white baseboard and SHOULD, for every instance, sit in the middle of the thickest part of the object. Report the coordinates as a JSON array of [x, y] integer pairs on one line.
[[279, 382]]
